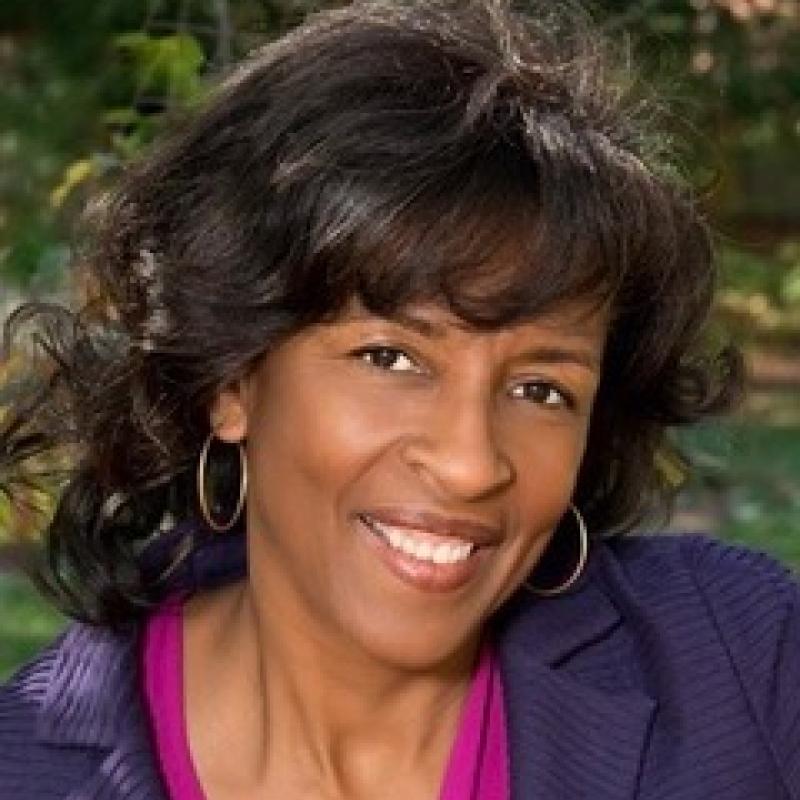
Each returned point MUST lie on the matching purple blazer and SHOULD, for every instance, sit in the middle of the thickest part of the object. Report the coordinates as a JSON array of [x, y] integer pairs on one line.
[[671, 673]]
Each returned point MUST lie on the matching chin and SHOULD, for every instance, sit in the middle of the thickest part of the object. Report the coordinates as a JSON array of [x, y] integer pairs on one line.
[[414, 644]]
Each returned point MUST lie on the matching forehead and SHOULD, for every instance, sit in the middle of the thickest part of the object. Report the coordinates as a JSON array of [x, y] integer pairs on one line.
[[584, 322], [434, 317]]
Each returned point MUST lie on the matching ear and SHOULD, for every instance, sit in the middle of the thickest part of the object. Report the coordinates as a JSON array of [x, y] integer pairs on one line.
[[229, 412]]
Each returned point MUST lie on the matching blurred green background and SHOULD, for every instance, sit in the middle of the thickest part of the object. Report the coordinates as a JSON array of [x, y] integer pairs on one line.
[[88, 83]]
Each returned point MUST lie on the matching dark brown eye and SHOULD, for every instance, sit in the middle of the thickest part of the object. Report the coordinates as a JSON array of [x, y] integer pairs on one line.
[[542, 393], [388, 358]]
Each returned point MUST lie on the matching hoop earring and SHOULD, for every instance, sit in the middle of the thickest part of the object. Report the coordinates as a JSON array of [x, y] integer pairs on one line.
[[205, 506], [583, 554]]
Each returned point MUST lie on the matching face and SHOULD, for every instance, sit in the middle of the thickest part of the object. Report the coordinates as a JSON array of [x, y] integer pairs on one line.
[[406, 474]]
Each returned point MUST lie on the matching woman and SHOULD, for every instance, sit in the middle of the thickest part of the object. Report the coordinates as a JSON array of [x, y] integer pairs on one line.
[[381, 356]]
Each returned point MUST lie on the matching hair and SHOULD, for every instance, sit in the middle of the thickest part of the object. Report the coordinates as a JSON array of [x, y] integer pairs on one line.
[[385, 151]]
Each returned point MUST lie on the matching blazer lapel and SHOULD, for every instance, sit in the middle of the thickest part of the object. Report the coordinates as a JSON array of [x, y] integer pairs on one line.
[[575, 733], [92, 701]]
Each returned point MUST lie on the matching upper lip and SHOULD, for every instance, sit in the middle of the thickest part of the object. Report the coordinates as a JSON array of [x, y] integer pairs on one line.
[[470, 530]]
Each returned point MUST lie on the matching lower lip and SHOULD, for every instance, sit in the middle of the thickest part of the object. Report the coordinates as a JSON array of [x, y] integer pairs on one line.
[[424, 575]]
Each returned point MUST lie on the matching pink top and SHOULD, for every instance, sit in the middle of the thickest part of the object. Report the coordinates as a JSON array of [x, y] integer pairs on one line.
[[478, 764]]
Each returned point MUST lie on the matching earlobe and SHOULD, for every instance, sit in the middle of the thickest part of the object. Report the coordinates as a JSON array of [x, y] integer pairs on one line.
[[228, 416]]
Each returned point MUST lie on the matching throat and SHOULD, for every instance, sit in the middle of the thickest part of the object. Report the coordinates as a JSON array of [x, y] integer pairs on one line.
[[304, 716]]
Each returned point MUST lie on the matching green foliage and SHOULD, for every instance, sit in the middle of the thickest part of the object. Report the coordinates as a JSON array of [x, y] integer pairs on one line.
[[162, 73], [26, 624], [773, 532], [164, 66], [759, 297], [789, 292], [80, 101], [88, 84], [774, 274], [746, 478], [730, 70]]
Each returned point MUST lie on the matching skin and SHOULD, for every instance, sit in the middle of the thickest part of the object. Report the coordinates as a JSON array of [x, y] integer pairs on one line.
[[333, 678]]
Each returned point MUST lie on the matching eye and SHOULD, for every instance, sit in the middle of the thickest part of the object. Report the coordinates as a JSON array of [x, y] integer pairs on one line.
[[388, 358], [543, 393]]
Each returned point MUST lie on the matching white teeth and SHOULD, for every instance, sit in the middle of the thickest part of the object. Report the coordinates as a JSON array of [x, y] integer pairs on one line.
[[424, 550]]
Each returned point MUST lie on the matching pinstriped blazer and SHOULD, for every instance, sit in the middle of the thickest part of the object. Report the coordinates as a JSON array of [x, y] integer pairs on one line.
[[672, 673]]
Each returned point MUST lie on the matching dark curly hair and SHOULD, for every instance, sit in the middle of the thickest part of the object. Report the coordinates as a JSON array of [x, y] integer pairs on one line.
[[383, 151]]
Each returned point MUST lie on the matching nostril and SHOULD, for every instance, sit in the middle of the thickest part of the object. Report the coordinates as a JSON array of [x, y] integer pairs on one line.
[[462, 466]]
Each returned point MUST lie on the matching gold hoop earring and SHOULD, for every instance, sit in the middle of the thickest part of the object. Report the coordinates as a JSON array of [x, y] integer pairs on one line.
[[205, 505], [583, 555]]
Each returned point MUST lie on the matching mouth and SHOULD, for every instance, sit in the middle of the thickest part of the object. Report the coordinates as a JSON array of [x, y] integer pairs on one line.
[[421, 544], [436, 556]]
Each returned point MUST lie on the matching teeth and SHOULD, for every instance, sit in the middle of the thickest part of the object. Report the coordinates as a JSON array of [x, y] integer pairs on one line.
[[422, 549]]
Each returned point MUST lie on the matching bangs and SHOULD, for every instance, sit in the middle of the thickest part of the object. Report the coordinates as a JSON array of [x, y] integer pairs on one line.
[[446, 171], [499, 237]]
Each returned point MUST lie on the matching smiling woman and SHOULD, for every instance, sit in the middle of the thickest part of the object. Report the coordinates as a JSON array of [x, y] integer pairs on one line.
[[380, 360], [422, 445]]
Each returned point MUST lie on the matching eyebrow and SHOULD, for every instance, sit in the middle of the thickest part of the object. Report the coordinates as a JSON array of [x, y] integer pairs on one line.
[[433, 330], [550, 354]]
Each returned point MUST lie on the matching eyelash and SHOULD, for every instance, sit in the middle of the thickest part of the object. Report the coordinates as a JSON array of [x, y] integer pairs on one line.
[[367, 355]]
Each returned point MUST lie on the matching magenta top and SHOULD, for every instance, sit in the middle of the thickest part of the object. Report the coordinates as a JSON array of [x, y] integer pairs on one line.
[[477, 768]]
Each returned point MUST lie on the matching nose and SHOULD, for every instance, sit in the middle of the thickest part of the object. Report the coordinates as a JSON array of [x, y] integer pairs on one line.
[[460, 450]]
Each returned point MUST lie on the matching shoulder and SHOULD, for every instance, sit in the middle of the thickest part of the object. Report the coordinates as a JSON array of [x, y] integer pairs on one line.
[[723, 610], [698, 640], [21, 698], [26, 759], [746, 597], [57, 711], [723, 577]]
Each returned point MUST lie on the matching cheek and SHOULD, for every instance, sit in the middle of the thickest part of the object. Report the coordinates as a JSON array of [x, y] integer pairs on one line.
[[309, 440], [547, 467], [550, 454]]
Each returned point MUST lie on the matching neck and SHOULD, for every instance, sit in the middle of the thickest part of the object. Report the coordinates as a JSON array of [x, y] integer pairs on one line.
[[301, 699]]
